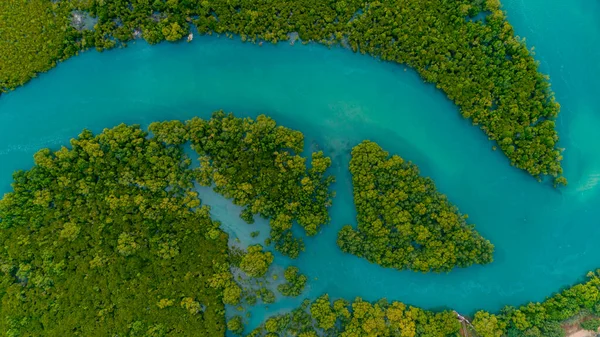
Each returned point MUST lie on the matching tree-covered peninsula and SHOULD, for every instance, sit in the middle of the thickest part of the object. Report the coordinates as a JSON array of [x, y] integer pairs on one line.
[[108, 238], [466, 48], [256, 163], [403, 221]]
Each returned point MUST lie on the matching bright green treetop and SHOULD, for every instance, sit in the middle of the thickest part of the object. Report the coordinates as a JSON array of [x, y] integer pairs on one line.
[[294, 284], [235, 325], [108, 239], [255, 262], [359, 319]]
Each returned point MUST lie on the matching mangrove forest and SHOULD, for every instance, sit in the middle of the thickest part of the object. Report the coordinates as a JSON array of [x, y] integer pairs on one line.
[[403, 221]]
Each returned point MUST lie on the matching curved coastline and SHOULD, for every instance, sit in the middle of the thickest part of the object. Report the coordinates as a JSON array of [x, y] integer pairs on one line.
[[347, 115], [572, 254], [467, 49]]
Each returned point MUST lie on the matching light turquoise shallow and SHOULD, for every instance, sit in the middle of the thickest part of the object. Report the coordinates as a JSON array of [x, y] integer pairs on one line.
[[545, 239]]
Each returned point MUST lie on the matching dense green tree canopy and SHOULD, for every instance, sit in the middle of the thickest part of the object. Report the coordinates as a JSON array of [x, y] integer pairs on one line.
[[236, 325], [480, 64], [255, 262], [107, 238], [359, 319], [294, 284], [591, 324], [257, 164], [403, 221], [34, 35]]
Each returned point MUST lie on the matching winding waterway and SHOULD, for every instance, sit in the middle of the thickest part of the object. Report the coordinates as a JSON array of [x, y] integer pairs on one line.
[[545, 239]]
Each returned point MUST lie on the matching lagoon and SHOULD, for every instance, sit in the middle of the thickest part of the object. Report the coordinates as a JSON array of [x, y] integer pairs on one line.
[[545, 239]]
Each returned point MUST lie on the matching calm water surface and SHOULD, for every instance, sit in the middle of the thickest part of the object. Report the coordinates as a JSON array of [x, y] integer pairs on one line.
[[545, 239]]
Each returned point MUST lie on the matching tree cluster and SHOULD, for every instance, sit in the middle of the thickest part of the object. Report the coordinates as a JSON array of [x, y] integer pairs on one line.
[[294, 284], [341, 318], [236, 325], [34, 35], [108, 238], [403, 221], [255, 262], [256, 163], [591, 324], [223, 280]]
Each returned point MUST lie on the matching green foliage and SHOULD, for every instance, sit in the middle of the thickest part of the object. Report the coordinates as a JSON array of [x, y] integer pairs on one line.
[[256, 163], [543, 319], [295, 282], [403, 222], [359, 319], [481, 65], [173, 31], [255, 262], [235, 325], [266, 295], [108, 239], [169, 132], [552, 329], [247, 216], [488, 325], [34, 35], [591, 324], [222, 279], [322, 311]]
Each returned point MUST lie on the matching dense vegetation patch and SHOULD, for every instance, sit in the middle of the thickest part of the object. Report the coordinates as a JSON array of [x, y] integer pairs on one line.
[[403, 221], [107, 239], [591, 324], [480, 64], [34, 35], [236, 325], [341, 318], [294, 284], [257, 164], [253, 277], [255, 262]]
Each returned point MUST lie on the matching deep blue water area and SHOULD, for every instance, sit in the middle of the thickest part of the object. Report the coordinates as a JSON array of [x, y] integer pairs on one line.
[[545, 238]]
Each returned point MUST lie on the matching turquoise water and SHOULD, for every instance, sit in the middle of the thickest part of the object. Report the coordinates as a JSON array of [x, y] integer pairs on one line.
[[545, 239]]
